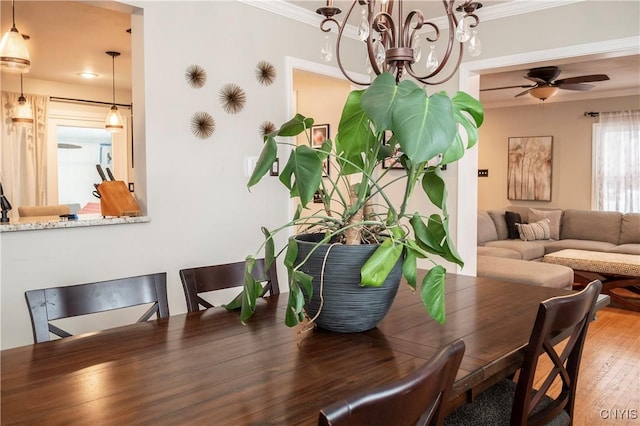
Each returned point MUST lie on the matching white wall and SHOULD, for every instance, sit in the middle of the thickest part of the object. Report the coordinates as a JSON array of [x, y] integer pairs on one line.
[[201, 211]]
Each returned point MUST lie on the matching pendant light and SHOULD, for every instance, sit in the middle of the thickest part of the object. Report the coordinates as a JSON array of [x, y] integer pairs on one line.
[[114, 122], [14, 56], [22, 113]]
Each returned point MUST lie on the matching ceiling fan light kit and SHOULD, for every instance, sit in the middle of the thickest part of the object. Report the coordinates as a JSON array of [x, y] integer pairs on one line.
[[114, 122], [394, 44], [545, 83], [543, 92], [14, 55]]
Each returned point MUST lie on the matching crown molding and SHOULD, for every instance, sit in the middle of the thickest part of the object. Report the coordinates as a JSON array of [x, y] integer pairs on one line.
[[499, 11]]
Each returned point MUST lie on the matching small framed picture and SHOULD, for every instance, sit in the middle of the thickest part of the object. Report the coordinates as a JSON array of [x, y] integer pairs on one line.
[[319, 134]]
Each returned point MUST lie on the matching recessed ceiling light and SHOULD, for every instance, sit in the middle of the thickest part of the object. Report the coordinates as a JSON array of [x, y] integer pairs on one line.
[[87, 74]]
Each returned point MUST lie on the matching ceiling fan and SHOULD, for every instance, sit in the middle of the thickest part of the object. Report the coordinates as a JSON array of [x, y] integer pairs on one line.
[[546, 84]]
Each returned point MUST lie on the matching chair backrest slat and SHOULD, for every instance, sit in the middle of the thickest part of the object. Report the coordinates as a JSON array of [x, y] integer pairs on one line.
[[418, 398], [63, 302], [568, 317], [204, 279]]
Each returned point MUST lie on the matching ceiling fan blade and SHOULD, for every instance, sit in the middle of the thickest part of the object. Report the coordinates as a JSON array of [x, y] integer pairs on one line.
[[507, 87], [536, 79], [582, 79], [576, 86], [523, 93]]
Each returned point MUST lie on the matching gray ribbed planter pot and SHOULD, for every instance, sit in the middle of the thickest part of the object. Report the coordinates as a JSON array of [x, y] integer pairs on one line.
[[347, 307]]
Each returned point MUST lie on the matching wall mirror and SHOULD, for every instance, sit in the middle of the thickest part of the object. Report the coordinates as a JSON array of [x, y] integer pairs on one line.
[[54, 160]]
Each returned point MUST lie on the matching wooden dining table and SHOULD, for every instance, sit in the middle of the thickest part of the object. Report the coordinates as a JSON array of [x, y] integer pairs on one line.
[[208, 368]]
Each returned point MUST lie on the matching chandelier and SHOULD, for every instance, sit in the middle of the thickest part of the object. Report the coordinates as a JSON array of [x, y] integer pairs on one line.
[[395, 43]]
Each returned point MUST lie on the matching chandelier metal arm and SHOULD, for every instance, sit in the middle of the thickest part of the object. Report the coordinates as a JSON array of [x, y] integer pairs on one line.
[[329, 12], [400, 41]]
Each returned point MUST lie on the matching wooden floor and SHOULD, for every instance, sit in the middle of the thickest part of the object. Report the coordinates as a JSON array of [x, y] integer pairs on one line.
[[609, 379]]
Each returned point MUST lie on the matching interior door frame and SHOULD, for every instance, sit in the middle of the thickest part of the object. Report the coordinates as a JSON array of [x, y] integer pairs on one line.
[[469, 81]]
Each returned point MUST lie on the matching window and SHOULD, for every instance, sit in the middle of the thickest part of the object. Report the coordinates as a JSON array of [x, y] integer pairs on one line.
[[616, 162]]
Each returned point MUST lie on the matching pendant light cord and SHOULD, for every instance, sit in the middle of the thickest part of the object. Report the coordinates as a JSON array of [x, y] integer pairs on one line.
[[13, 13], [113, 77]]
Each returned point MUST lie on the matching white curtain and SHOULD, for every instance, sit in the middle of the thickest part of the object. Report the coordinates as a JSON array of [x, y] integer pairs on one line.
[[617, 162], [23, 153]]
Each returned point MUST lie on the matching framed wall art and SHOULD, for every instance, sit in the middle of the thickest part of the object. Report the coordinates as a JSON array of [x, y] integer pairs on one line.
[[319, 134], [529, 168]]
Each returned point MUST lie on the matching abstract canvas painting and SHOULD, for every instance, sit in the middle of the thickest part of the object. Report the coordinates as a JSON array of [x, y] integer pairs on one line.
[[529, 168]]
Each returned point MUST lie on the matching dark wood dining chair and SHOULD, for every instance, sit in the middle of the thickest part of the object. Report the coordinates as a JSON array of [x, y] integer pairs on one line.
[[518, 403], [50, 304], [217, 277], [418, 398]]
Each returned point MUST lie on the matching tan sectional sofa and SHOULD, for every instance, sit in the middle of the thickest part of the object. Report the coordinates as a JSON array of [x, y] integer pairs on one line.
[[517, 260]]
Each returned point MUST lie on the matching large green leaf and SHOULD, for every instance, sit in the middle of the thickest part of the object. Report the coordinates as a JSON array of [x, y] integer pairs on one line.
[[435, 188], [454, 152], [428, 237], [354, 135], [410, 268], [269, 249], [295, 126], [305, 165], [265, 161], [432, 293], [251, 291], [379, 99], [377, 268], [424, 126], [464, 102]]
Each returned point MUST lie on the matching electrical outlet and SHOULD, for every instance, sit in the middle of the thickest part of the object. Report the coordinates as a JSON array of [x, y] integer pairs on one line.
[[483, 172]]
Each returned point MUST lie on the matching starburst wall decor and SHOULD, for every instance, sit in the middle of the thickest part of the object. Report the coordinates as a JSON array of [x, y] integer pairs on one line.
[[267, 127], [202, 125], [265, 73], [196, 76], [232, 98]]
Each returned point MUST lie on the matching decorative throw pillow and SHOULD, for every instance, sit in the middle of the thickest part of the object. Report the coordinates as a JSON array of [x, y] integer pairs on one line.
[[512, 218], [554, 217], [534, 231]]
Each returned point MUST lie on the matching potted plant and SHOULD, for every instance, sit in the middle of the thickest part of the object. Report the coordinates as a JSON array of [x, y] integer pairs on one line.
[[357, 209]]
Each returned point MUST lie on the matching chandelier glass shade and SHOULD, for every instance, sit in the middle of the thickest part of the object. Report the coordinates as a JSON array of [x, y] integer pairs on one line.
[[22, 112], [14, 55], [395, 42], [114, 122]]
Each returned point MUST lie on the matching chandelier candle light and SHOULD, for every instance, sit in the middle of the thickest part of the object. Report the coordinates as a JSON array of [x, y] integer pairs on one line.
[[114, 122], [394, 44], [14, 55]]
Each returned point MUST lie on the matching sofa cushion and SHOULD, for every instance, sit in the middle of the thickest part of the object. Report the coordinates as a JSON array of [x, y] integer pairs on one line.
[[486, 228], [512, 218], [553, 246], [529, 250], [554, 216], [591, 225], [534, 231], [626, 249], [500, 222], [525, 272], [499, 252], [630, 229]]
